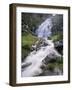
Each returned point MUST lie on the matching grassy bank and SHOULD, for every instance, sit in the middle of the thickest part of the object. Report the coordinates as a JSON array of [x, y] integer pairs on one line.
[[27, 40]]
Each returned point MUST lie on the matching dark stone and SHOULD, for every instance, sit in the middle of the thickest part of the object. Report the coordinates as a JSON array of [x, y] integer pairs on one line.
[[59, 46], [26, 65]]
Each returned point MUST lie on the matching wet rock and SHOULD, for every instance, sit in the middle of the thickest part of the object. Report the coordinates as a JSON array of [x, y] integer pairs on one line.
[[43, 66], [24, 65], [41, 42], [59, 46]]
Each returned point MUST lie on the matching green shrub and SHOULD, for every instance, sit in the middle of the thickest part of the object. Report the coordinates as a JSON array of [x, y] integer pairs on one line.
[[57, 37]]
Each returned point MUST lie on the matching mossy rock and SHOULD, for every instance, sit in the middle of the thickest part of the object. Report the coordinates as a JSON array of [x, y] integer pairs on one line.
[[51, 66]]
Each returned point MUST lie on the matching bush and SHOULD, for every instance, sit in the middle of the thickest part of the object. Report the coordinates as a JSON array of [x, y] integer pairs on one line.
[[57, 37]]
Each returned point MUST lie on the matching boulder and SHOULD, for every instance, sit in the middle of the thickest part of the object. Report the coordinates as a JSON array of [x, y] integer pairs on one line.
[[59, 46]]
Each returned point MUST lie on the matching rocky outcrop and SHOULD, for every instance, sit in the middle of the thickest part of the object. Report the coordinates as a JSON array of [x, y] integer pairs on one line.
[[59, 46], [41, 42]]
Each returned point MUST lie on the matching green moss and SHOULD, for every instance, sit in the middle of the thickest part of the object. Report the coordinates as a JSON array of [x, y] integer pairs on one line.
[[51, 66], [25, 52], [57, 64], [57, 37], [28, 39]]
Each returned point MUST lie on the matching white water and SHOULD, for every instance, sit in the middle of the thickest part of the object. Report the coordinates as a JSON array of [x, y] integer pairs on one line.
[[36, 57], [44, 30]]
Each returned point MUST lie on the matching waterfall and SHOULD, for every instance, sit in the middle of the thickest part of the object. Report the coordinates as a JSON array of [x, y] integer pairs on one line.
[[34, 60], [44, 30]]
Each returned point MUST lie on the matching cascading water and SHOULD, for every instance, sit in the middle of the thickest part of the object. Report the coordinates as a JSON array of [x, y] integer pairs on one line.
[[44, 29], [34, 60]]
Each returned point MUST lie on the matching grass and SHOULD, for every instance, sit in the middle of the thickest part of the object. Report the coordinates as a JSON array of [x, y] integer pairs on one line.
[[57, 37], [27, 40], [51, 66], [57, 63]]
